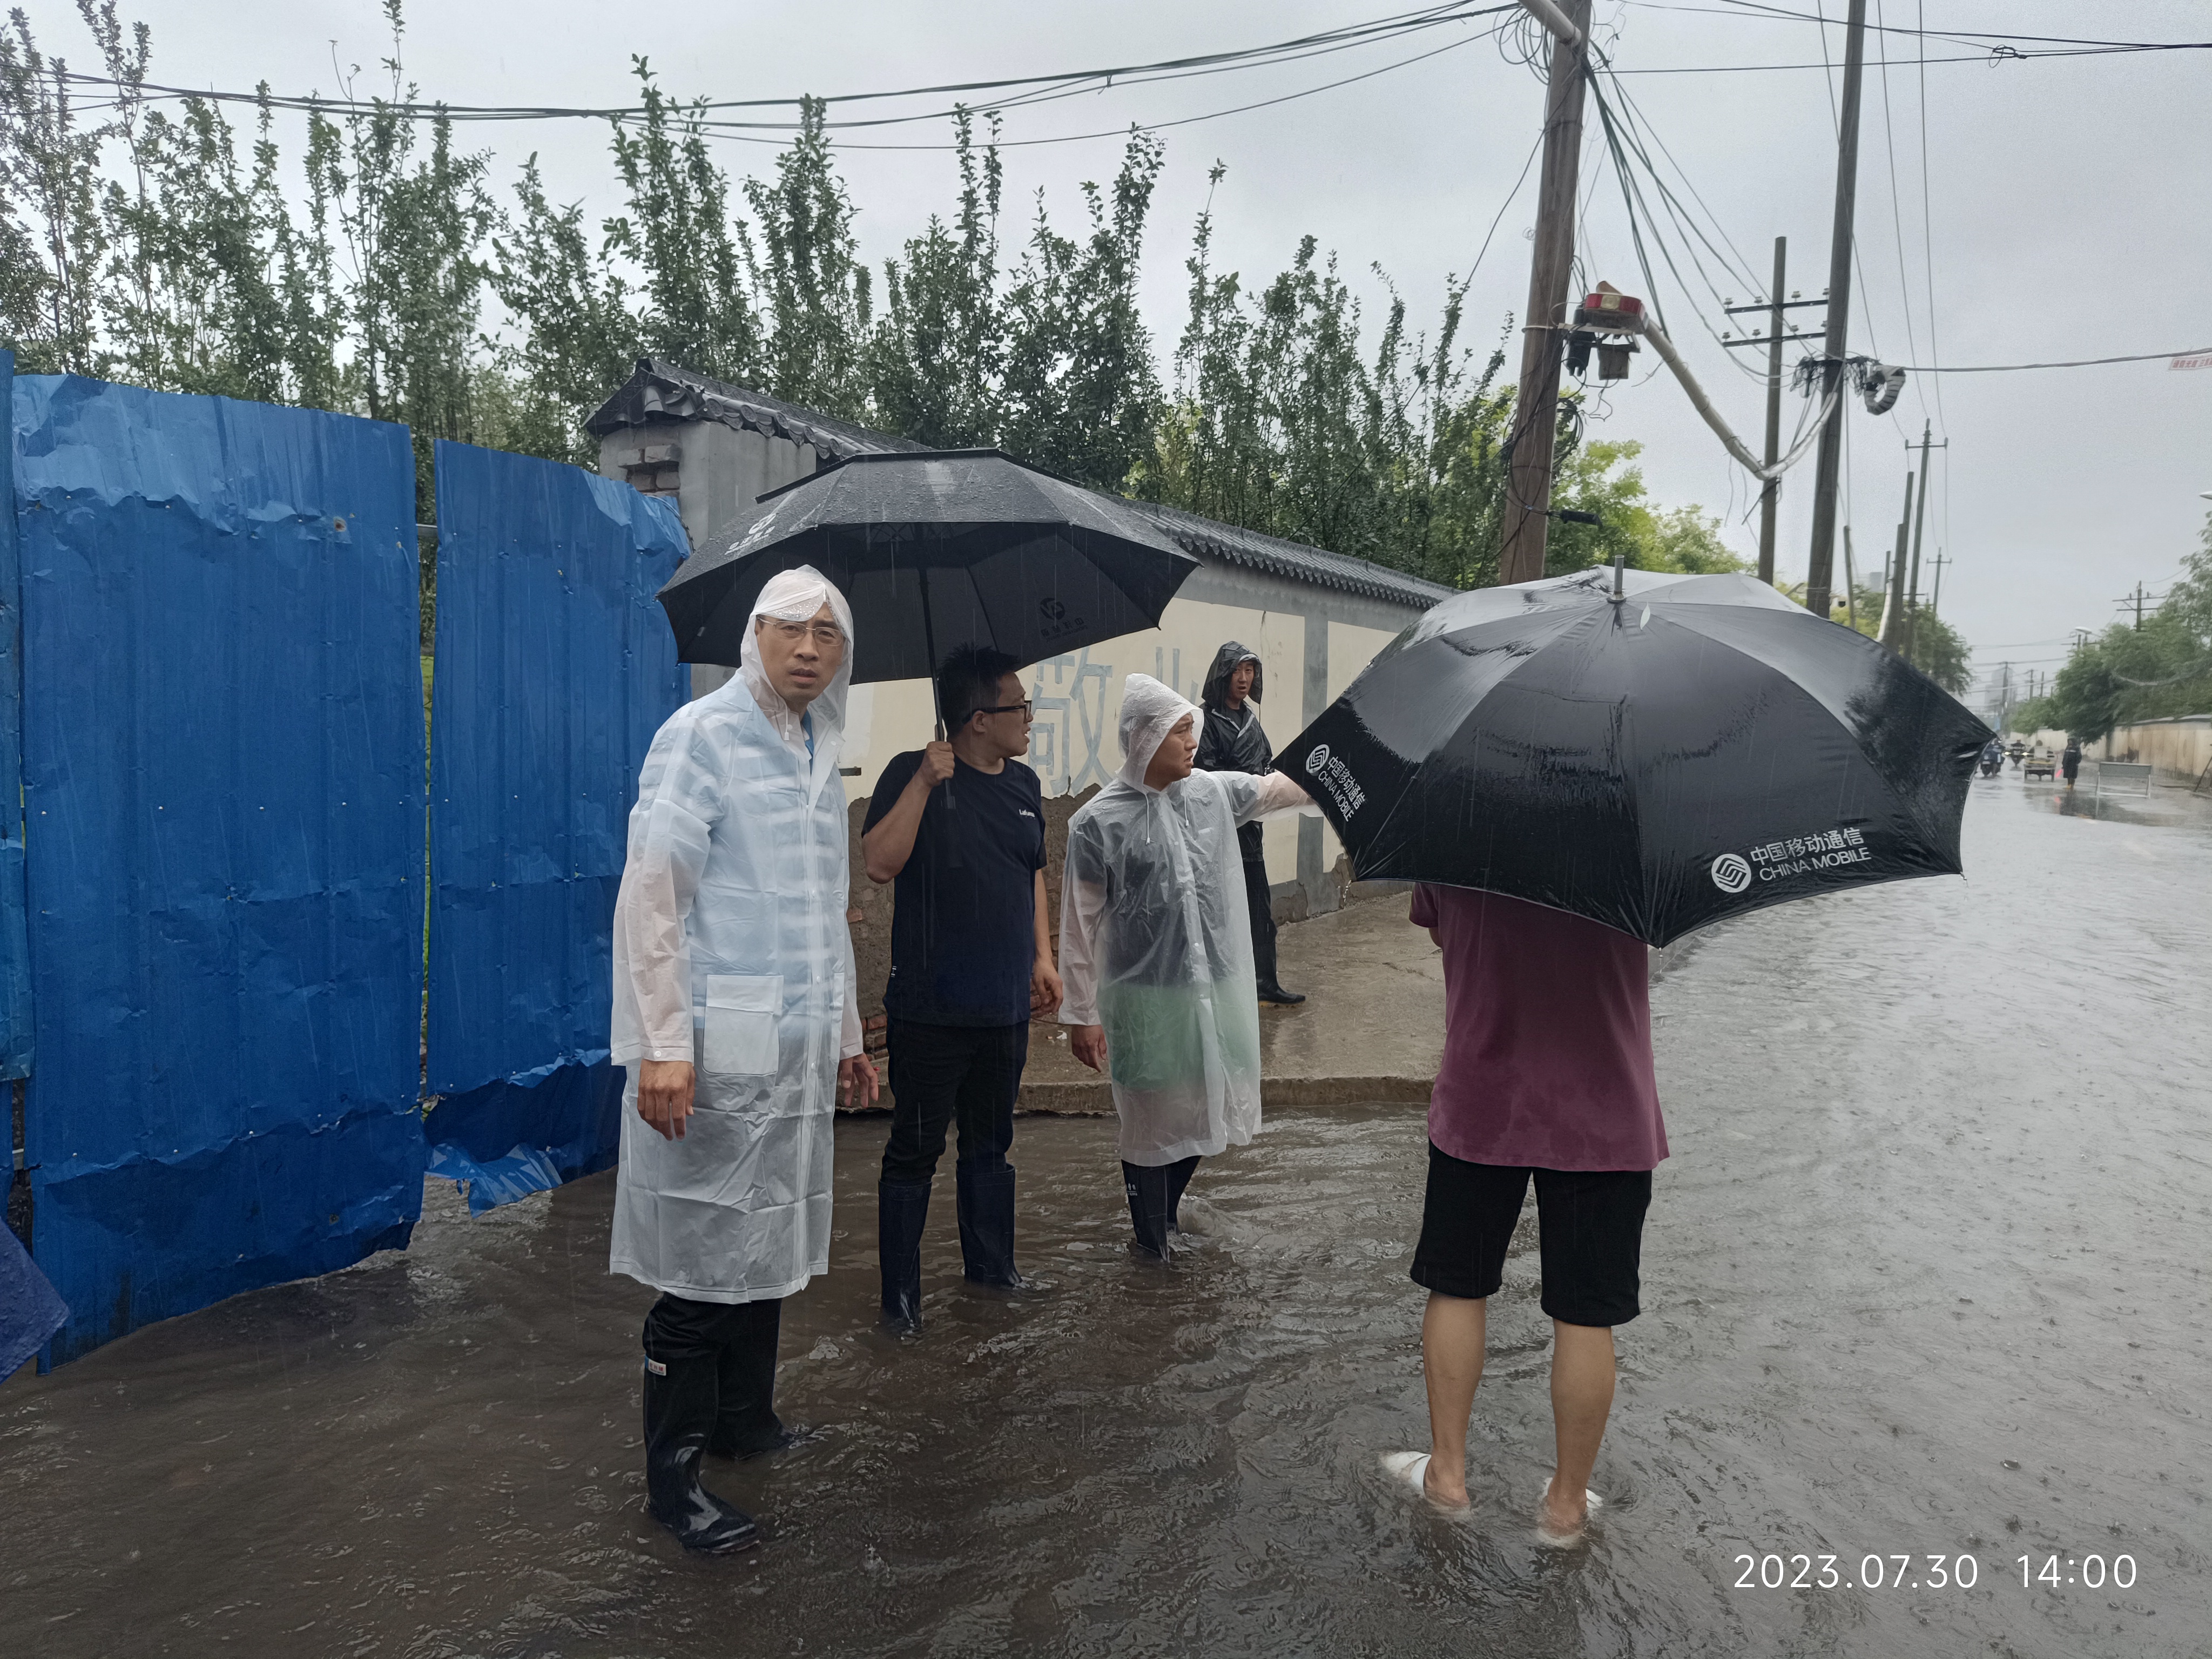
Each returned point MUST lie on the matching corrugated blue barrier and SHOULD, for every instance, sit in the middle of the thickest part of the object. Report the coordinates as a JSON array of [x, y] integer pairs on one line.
[[15, 1023], [223, 769], [555, 668]]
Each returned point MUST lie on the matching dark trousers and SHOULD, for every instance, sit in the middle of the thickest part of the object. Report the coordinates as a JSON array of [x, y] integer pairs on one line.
[[1260, 900], [740, 1337], [943, 1073]]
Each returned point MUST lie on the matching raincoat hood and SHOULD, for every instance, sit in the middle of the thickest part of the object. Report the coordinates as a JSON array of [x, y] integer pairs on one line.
[[795, 595], [1149, 711], [1232, 652]]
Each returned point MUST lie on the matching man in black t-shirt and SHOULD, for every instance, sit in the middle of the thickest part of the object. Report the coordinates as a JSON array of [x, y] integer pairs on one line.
[[960, 827]]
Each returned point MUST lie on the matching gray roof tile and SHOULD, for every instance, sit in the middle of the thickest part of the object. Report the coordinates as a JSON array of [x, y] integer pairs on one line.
[[660, 391]]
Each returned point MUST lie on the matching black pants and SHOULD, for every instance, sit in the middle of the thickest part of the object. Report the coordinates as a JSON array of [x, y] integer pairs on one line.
[[1260, 899], [1589, 1234], [941, 1073], [740, 1337]]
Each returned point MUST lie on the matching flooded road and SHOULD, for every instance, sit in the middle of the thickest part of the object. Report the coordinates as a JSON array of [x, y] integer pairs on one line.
[[1925, 1276]]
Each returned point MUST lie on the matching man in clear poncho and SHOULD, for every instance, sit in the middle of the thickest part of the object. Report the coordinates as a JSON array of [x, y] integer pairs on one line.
[[733, 1012], [1155, 952]]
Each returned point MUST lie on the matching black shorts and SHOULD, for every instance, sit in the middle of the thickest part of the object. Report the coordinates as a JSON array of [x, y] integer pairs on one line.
[[1590, 1232]]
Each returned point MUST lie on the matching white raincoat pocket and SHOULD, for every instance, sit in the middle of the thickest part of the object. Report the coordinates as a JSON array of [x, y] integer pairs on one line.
[[738, 1035]]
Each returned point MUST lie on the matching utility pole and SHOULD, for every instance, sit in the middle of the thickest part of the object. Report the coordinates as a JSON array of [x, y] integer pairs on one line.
[[1772, 340], [1936, 601], [1766, 496], [1819, 571], [1893, 602], [1850, 585], [1527, 519], [1919, 523], [2139, 605]]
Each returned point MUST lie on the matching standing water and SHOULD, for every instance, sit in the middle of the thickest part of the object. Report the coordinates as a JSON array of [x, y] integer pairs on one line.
[[1924, 1279]]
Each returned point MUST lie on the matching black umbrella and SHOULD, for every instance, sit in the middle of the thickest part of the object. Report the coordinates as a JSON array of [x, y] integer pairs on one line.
[[935, 549], [1656, 758]]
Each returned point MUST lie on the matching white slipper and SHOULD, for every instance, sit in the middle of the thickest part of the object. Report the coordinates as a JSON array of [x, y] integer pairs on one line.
[[1592, 1503], [1409, 1469]]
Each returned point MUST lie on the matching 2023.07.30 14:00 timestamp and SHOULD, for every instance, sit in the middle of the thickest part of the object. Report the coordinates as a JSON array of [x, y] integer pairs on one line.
[[1931, 1572]]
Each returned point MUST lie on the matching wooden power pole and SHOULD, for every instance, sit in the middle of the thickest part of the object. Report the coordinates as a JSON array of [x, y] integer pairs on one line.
[[1526, 518], [1820, 569]]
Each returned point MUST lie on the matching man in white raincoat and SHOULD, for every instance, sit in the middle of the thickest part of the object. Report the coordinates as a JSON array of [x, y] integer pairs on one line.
[[733, 1012], [1155, 952]]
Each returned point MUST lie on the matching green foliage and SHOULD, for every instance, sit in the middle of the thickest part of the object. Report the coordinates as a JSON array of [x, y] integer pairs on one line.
[[578, 334], [678, 233], [2162, 669], [1938, 650], [161, 247], [1078, 395], [1601, 477], [811, 276]]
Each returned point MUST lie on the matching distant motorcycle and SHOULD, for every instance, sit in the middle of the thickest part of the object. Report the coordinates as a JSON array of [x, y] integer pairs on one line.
[[1991, 765]]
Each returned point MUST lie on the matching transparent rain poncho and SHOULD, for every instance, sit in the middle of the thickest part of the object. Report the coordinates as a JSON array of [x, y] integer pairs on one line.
[[1156, 943], [731, 951]]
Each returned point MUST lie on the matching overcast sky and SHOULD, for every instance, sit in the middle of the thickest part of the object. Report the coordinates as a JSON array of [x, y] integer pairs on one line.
[[2067, 201]]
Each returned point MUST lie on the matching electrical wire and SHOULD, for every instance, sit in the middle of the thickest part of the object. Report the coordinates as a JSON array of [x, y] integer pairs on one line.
[[2078, 362], [1896, 214], [1046, 86], [1750, 10]]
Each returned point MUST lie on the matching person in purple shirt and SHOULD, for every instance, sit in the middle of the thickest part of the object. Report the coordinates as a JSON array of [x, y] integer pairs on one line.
[[1546, 1074]]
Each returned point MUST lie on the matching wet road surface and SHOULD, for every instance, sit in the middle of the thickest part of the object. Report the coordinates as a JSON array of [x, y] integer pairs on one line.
[[1926, 1275]]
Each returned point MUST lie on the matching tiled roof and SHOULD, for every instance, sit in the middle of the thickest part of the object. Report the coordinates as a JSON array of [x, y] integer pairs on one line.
[[1297, 561], [661, 391]]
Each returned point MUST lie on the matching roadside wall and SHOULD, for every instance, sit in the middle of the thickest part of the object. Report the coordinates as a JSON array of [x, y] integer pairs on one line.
[[2180, 748]]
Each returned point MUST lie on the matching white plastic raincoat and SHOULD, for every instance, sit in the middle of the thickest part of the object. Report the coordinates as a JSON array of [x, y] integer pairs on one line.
[[1156, 943], [731, 951]]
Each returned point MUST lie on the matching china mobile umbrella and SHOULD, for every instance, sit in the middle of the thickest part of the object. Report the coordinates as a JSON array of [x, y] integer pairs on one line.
[[1655, 752], [934, 550]]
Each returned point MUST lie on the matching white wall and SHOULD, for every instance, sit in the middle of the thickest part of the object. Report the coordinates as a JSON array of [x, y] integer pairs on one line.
[[1073, 744]]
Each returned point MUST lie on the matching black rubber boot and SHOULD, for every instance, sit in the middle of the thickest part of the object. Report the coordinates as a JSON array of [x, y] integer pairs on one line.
[[680, 1398], [746, 1423], [986, 1228], [1179, 1176], [902, 1207], [1146, 1185]]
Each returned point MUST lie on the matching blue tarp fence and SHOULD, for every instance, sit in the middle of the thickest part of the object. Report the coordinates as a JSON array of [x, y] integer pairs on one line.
[[219, 873], [545, 614]]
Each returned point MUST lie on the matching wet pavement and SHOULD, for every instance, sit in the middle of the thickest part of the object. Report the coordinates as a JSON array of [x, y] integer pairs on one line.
[[1925, 1276], [1371, 1028]]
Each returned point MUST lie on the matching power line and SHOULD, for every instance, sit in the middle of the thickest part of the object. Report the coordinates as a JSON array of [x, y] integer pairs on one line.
[[2079, 362], [1047, 85]]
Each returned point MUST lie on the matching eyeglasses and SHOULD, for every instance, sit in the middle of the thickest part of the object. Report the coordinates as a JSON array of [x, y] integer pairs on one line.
[[1024, 705], [828, 636]]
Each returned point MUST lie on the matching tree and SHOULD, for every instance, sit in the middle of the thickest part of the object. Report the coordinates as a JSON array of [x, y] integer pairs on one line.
[[936, 358], [1079, 394], [811, 280], [693, 259], [161, 246], [49, 211], [578, 334]]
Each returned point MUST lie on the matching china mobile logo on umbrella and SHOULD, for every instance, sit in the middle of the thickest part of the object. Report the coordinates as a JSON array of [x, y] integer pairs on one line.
[[1333, 775], [1823, 849]]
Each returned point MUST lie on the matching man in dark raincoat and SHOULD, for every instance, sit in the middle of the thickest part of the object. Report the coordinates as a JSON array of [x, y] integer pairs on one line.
[[1233, 741]]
